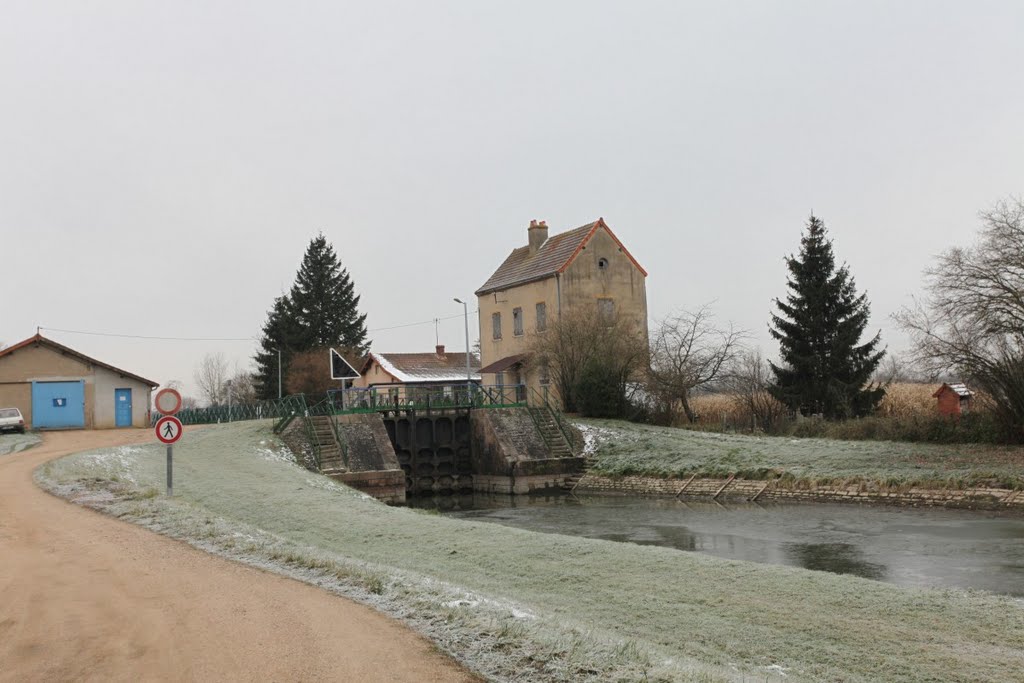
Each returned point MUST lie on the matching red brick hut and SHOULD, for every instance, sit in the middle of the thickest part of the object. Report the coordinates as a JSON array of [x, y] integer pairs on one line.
[[954, 400]]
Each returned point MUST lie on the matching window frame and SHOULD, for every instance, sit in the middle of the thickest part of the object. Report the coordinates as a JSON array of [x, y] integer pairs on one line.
[[496, 325], [518, 326], [540, 312]]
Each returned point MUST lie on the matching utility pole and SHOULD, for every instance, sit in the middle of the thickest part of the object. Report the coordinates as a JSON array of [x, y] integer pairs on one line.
[[279, 372], [465, 315]]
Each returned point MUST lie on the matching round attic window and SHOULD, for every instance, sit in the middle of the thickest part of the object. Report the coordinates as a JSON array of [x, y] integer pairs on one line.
[[602, 264]]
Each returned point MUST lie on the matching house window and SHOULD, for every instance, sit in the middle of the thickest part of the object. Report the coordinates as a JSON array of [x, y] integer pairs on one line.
[[542, 316], [517, 322], [496, 325], [545, 375], [606, 308], [602, 264], [499, 379]]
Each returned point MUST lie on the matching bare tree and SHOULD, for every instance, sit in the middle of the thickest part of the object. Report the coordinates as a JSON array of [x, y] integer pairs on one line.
[[186, 401], [689, 351], [583, 337], [211, 376], [972, 320], [243, 387], [748, 384]]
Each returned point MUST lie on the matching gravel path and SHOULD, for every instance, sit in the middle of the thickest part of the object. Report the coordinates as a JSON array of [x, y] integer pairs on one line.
[[87, 597]]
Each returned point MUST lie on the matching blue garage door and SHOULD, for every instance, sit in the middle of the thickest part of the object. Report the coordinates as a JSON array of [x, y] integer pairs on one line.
[[58, 405]]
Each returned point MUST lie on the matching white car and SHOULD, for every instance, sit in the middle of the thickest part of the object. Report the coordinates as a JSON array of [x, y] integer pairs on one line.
[[11, 420]]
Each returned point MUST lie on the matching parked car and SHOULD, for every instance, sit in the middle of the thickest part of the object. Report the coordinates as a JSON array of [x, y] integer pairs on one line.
[[11, 420]]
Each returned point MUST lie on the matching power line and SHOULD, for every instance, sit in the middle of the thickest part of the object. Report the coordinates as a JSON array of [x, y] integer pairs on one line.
[[225, 339]]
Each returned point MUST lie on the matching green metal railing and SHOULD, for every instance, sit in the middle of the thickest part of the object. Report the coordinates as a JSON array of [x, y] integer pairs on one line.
[[412, 398]]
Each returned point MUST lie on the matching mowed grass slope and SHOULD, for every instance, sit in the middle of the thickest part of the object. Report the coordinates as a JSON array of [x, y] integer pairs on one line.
[[624, 448], [520, 605]]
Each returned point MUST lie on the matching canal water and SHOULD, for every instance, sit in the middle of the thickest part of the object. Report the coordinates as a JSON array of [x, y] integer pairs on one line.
[[906, 546]]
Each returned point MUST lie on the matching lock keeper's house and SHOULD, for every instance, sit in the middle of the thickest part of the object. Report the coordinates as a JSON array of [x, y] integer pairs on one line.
[[585, 268]]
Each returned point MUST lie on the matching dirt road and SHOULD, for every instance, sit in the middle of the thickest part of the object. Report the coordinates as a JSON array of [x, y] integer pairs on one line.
[[87, 597]]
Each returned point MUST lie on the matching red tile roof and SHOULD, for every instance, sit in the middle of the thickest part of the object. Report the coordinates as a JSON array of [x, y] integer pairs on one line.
[[60, 348], [554, 256]]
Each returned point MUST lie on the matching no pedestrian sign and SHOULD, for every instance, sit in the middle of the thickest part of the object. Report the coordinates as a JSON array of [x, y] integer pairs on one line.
[[168, 429]]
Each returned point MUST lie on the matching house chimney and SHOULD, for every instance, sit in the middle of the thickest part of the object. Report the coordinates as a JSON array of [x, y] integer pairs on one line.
[[439, 349], [538, 232]]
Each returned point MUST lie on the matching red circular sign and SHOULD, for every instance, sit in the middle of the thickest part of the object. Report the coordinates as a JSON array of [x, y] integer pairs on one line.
[[168, 429], [168, 401]]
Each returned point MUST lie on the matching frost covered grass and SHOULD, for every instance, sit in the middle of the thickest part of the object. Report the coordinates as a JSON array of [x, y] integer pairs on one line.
[[623, 448], [519, 605], [13, 443]]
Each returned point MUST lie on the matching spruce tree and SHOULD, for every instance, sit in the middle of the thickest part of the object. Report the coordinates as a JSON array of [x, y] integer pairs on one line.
[[324, 302], [321, 310], [824, 369], [279, 334]]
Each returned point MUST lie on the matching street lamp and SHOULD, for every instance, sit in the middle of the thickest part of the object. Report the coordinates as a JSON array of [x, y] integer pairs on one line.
[[465, 315]]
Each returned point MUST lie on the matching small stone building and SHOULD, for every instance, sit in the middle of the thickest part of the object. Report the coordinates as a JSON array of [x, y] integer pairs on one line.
[[56, 387], [398, 374], [954, 400]]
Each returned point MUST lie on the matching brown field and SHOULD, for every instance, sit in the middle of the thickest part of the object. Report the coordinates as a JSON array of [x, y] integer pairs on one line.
[[901, 400]]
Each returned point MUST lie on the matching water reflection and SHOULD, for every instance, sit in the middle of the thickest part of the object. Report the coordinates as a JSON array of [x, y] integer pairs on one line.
[[920, 547], [838, 558]]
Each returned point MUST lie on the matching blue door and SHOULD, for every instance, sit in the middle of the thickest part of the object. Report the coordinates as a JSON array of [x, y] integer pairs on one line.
[[58, 405], [123, 407]]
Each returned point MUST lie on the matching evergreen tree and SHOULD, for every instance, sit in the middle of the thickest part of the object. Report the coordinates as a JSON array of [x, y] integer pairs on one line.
[[321, 310], [279, 334], [324, 303], [819, 327]]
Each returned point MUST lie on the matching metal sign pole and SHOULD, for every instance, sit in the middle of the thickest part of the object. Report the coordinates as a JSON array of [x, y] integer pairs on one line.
[[170, 471]]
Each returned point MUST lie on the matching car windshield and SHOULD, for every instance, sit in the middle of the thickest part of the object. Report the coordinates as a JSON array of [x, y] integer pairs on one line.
[[9, 412]]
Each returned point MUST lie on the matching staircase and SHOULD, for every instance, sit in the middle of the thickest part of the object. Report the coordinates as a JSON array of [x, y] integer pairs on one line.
[[331, 457], [552, 435]]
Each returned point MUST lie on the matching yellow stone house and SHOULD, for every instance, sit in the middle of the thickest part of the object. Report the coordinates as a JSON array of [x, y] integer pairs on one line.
[[545, 279]]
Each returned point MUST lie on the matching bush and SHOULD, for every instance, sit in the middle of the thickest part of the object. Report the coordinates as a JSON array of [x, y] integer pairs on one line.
[[599, 393]]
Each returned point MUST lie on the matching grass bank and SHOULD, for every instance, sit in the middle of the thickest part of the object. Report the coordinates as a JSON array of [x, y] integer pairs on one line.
[[624, 448], [519, 605], [13, 443]]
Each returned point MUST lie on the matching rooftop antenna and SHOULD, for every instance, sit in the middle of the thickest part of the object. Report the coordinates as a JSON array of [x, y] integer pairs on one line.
[[437, 337]]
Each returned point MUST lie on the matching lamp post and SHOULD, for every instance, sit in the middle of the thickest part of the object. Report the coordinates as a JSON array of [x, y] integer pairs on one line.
[[465, 315], [279, 373]]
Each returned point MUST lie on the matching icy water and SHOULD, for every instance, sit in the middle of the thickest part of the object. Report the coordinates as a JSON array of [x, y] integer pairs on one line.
[[906, 546]]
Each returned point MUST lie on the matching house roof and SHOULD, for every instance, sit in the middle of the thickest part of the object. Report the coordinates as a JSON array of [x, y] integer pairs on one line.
[[555, 255], [504, 364], [40, 340], [959, 389], [425, 367]]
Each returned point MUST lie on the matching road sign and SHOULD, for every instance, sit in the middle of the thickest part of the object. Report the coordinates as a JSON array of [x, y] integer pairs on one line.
[[340, 368], [168, 401], [168, 429]]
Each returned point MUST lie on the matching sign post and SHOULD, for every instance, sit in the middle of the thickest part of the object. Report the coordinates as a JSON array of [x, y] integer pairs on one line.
[[168, 428], [342, 370]]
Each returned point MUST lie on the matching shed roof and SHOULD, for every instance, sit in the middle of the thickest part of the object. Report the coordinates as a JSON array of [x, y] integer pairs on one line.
[[505, 363], [554, 256], [425, 367], [40, 340], [958, 388]]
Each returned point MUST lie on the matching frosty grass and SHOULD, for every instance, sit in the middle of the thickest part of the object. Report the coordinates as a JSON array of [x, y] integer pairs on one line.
[[515, 605]]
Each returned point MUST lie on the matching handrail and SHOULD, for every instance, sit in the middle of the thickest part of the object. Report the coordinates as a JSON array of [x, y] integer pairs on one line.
[[536, 423], [557, 415], [342, 446]]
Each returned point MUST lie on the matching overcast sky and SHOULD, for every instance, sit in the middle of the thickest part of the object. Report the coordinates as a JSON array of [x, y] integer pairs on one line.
[[164, 164]]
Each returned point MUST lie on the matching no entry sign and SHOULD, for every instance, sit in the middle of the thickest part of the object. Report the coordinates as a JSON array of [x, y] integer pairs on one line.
[[168, 429], [168, 402]]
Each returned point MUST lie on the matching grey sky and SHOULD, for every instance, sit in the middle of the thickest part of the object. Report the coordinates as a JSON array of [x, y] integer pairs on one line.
[[166, 163]]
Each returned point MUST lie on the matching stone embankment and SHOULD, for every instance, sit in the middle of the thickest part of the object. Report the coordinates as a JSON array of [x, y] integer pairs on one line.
[[788, 490]]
